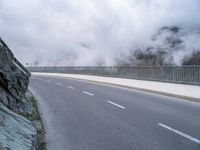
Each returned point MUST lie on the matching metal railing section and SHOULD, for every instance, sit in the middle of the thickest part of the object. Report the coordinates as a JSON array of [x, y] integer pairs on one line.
[[175, 74]]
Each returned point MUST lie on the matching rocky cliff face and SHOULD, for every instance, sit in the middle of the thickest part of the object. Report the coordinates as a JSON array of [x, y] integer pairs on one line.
[[16, 132], [14, 78]]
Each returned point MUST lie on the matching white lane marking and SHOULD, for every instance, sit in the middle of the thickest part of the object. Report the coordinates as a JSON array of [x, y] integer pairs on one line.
[[115, 104], [58, 83], [88, 93], [71, 87], [179, 133]]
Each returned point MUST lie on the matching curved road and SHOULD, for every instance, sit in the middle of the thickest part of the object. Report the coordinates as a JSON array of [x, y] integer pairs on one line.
[[79, 115]]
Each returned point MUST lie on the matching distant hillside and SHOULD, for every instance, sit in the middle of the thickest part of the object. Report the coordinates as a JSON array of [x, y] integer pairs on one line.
[[170, 46]]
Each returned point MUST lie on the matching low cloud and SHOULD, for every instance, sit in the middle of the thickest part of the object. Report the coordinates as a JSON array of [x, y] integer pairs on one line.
[[93, 32]]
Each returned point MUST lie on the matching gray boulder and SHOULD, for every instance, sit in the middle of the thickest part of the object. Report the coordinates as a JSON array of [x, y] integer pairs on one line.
[[14, 78], [16, 132]]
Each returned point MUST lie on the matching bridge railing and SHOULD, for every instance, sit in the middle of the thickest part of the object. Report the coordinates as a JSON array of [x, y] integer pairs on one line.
[[175, 74]]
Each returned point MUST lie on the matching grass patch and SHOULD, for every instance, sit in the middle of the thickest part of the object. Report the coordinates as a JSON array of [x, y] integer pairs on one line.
[[26, 115], [35, 116], [40, 131], [42, 146], [34, 101]]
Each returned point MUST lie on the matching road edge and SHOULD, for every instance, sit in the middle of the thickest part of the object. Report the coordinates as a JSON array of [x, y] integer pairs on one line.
[[130, 88]]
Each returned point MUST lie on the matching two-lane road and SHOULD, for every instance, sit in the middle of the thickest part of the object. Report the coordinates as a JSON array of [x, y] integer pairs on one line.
[[79, 115]]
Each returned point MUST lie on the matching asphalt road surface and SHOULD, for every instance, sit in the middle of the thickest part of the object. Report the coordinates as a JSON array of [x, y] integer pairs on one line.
[[79, 115]]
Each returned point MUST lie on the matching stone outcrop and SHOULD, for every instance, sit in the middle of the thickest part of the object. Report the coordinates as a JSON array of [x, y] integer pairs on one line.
[[16, 131], [14, 78]]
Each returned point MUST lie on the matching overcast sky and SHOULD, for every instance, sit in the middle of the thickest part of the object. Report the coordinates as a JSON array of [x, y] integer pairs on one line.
[[88, 32]]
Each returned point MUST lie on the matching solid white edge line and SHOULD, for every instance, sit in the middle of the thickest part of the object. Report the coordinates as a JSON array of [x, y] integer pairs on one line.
[[71, 87], [88, 93], [115, 104], [179, 133]]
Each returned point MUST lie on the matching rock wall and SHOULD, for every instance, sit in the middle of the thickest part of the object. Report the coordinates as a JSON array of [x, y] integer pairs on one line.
[[14, 78], [16, 132]]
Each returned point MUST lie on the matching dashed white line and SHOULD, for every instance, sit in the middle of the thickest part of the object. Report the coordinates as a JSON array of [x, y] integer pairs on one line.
[[88, 93], [70, 87], [117, 105], [179, 133], [58, 83]]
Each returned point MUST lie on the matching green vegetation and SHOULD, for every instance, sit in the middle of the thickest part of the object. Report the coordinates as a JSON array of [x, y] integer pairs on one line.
[[40, 131], [42, 146], [34, 116], [26, 115], [34, 101]]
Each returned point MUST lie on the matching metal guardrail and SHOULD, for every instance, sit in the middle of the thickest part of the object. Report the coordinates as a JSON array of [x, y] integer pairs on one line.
[[177, 74]]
